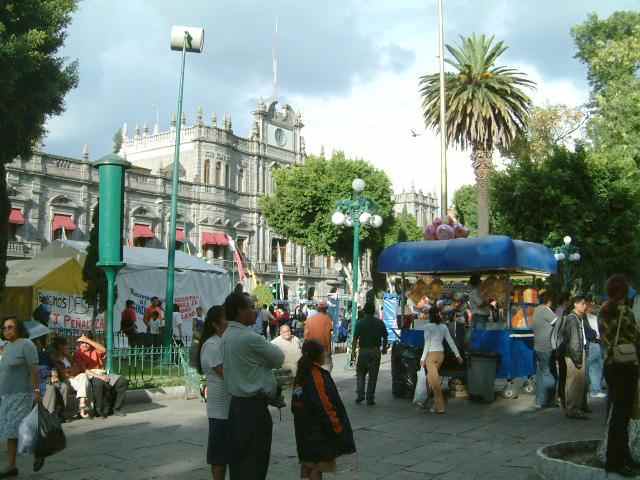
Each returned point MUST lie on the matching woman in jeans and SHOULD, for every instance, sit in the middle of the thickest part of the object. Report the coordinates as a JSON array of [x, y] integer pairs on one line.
[[435, 333], [19, 388], [618, 327]]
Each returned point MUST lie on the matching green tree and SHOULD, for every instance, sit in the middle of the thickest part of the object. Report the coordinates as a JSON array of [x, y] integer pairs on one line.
[[403, 228], [33, 84], [96, 292], [465, 203], [595, 200], [610, 48], [263, 295], [306, 195], [486, 107]]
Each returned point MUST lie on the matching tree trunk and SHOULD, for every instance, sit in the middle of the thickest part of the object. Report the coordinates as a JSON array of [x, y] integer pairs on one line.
[[5, 209], [482, 166]]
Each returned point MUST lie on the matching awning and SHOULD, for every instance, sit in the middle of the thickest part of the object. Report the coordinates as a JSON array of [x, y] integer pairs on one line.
[[493, 253], [63, 221], [16, 217], [214, 238], [141, 230], [179, 234]]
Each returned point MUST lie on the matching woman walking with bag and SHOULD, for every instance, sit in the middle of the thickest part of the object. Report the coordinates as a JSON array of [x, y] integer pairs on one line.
[[435, 333], [19, 388], [621, 338], [322, 428]]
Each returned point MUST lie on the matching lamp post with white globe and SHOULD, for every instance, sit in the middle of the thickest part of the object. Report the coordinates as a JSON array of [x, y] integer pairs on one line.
[[356, 212], [567, 255]]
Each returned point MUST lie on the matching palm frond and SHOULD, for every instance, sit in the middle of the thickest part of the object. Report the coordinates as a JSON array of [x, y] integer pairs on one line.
[[487, 105]]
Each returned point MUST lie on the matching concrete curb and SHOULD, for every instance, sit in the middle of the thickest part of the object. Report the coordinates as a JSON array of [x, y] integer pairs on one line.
[[156, 394], [551, 466]]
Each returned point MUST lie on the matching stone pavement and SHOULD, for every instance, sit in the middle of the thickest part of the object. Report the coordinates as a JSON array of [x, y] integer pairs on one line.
[[167, 440]]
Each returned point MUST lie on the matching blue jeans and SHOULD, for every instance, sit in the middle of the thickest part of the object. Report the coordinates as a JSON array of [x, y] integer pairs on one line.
[[545, 381], [595, 364]]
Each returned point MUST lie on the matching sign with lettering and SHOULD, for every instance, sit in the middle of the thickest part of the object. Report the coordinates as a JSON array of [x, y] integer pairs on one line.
[[70, 311]]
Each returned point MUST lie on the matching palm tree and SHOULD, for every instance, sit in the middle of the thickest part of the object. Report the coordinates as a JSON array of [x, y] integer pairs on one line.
[[486, 107]]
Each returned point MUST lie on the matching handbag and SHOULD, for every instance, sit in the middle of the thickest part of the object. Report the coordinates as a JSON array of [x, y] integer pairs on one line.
[[624, 354]]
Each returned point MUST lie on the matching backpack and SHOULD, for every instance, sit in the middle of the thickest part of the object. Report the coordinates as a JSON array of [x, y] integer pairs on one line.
[[557, 334]]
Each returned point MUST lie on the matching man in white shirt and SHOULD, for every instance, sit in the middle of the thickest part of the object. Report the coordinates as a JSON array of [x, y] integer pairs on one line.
[[249, 361], [291, 348]]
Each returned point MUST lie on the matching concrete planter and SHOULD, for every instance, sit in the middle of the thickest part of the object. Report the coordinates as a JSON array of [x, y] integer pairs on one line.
[[571, 460]]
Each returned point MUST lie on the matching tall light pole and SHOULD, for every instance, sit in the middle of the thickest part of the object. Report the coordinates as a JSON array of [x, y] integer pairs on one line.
[[356, 212], [443, 113], [184, 39], [568, 255]]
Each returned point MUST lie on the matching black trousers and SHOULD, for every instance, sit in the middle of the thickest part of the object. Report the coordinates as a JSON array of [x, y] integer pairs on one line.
[[622, 381], [107, 397], [251, 429], [368, 364]]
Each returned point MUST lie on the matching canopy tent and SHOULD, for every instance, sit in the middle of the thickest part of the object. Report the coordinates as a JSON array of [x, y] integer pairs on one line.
[[197, 283], [26, 278], [493, 253]]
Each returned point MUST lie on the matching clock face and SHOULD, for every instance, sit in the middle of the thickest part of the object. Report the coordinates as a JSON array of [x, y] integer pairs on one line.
[[281, 138]]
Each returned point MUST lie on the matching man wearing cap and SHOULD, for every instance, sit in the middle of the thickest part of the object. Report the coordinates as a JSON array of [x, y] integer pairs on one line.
[[319, 327]]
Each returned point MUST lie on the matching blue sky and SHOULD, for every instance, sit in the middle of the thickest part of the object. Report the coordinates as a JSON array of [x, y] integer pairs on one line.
[[350, 66]]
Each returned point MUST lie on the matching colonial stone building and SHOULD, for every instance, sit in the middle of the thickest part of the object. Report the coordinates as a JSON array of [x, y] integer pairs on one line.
[[423, 206], [222, 177]]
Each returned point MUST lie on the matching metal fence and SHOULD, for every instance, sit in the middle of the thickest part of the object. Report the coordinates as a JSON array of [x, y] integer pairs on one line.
[[120, 340]]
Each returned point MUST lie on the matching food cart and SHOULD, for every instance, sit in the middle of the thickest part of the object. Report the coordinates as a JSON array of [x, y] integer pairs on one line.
[[490, 255]]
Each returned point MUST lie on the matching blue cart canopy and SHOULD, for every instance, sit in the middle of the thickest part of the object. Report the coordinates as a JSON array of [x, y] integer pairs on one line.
[[493, 253]]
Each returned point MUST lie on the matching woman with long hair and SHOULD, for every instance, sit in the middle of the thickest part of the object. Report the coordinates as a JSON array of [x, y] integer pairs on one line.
[[435, 333], [322, 428], [19, 387], [218, 399], [618, 328]]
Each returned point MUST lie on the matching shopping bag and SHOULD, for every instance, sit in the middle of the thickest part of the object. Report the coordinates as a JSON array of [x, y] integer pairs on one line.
[[421, 393], [50, 438], [28, 432]]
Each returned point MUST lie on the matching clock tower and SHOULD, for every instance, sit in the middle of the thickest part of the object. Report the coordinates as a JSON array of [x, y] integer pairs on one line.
[[279, 127]]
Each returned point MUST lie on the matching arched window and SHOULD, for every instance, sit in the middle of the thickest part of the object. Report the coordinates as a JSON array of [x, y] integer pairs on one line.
[[227, 182], [207, 171], [219, 174]]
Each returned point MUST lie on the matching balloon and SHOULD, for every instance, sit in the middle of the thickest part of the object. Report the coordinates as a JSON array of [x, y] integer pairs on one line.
[[450, 221], [445, 232], [430, 232], [462, 231], [437, 222]]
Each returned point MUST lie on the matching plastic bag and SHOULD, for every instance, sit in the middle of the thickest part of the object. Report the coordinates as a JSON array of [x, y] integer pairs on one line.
[[421, 393], [50, 437], [28, 432]]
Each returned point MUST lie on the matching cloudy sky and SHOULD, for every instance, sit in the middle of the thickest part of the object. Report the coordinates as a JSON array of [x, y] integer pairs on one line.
[[350, 66]]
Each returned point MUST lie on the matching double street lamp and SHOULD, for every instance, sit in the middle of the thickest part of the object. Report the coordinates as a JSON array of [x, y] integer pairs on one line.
[[356, 212], [568, 255]]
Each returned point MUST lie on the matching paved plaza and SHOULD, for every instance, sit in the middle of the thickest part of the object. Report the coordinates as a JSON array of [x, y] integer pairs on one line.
[[395, 441]]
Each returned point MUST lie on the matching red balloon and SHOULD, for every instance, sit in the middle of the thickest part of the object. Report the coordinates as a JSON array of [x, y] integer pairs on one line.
[[445, 232]]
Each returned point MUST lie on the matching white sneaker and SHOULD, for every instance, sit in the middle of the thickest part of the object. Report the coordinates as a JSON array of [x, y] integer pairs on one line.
[[599, 395]]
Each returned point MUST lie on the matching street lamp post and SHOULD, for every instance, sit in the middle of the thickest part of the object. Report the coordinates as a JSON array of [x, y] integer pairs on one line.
[[356, 212], [184, 39], [568, 255]]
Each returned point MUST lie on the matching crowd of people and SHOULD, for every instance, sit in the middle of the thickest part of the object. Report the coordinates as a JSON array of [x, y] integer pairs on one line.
[[68, 385]]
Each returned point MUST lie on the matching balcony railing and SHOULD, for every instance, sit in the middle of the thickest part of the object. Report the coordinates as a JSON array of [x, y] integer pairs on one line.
[[22, 249]]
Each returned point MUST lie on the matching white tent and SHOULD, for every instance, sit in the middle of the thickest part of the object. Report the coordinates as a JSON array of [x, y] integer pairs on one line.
[[197, 283]]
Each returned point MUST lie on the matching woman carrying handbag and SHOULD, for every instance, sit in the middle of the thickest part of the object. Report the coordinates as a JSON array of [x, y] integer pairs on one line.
[[621, 338]]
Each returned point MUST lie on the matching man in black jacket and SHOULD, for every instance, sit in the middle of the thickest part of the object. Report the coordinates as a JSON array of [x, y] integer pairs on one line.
[[575, 346], [371, 335]]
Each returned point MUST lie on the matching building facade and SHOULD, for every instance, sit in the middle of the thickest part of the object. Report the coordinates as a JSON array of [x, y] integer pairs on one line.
[[222, 177], [423, 206]]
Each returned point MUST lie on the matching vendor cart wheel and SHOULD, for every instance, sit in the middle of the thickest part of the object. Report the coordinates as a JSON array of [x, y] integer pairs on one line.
[[529, 386], [509, 391]]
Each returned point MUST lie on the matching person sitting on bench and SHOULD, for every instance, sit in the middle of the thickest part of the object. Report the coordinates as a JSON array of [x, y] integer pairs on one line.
[[108, 390]]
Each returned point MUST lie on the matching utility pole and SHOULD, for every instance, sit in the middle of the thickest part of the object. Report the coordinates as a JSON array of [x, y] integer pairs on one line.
[[443, 113]]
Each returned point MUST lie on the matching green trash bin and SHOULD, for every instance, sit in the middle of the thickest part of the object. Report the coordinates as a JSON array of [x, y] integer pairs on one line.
[[481, 376]]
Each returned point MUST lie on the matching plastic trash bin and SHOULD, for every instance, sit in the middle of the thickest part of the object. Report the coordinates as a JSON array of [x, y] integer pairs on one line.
[[481, 376]]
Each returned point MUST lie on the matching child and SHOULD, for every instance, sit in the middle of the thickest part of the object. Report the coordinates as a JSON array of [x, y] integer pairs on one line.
[[323, 431], [154, 326]]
